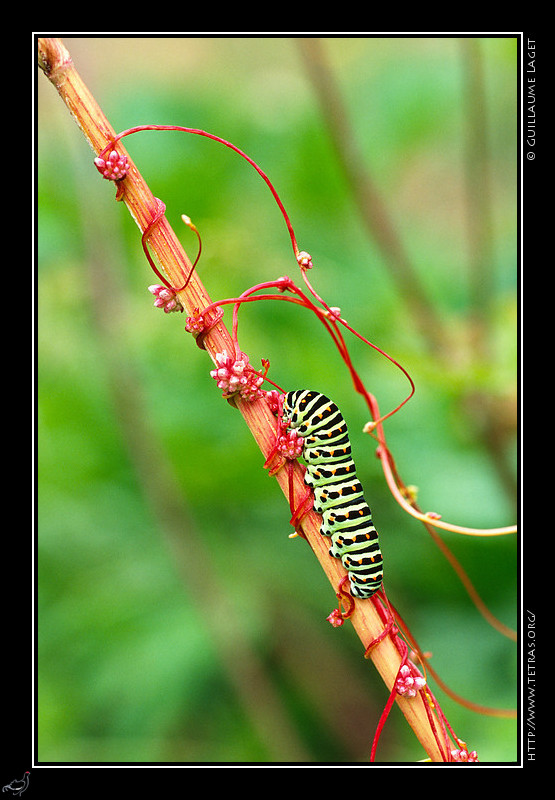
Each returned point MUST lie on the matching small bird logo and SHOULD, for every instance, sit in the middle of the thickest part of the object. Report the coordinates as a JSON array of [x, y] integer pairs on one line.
[[17, 787]]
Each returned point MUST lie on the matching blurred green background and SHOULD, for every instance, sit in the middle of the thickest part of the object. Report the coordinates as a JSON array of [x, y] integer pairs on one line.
[[176, 620]]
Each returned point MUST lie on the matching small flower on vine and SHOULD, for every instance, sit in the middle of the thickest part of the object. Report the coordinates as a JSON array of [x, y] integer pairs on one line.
[[335, 618], [236, 375], [304, 260], [290, 445], [463, 756], [114, 167], [272, 398], [195, 323], [406, 684], [252, 391], [165, 298]]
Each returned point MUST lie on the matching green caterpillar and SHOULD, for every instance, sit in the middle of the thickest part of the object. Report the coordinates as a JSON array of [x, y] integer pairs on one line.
[[338, 494]]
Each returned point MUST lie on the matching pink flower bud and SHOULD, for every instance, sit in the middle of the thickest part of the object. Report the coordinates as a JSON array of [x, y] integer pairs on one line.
[[166, 298], [114, 167], [463, 756], [236, 375], [304, 259], [272, 398], [195, 323], [335, 618], [408, 685], [290, 445]]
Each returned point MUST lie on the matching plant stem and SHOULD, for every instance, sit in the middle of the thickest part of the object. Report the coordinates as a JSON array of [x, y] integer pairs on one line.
[[57, 65]]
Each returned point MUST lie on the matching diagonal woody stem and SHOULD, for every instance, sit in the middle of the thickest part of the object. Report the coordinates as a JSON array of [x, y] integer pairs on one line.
[[56, 63]]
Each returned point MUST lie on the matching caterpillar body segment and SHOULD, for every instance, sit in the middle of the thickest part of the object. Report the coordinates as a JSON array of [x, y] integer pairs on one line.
[[338, 493]]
